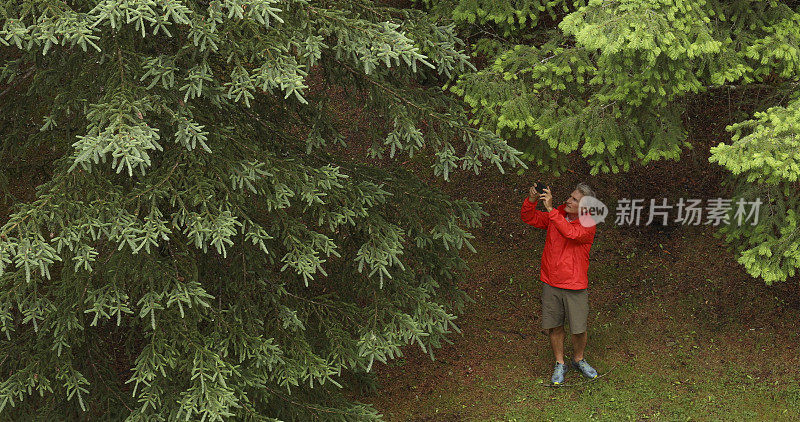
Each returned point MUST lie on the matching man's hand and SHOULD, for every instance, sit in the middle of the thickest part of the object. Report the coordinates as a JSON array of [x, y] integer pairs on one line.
[[547, 197], [533, 195]]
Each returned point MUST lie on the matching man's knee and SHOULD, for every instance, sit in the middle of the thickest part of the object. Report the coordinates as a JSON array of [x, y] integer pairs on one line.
[[556, 330]]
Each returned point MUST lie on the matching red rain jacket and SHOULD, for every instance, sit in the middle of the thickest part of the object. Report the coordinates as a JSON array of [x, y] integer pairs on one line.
[[565, 259]]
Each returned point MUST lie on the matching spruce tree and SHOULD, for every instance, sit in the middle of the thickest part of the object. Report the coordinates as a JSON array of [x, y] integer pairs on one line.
[[764, 162], [195, 250], [610, 80]]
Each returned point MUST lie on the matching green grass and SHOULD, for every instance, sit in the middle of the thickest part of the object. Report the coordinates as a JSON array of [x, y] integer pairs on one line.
[[648, 387], [683, 381]]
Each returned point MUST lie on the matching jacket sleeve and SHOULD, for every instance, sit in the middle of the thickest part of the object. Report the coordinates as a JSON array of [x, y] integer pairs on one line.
[[571, 231], [530, 215]]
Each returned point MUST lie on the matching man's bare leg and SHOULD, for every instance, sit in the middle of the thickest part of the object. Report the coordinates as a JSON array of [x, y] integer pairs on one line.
[[557, 342], [578, 345]]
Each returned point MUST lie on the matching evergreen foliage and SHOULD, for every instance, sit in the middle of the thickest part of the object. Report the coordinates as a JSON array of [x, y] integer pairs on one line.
[[610, 79], [764, 161], [197, 253]]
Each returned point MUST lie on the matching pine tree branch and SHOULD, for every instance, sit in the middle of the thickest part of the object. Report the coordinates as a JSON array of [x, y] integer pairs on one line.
[[169, 174], [100, 377], [307, 406], [389, 90], [12, 85], [8, 230], [321, 160], [740, 86]]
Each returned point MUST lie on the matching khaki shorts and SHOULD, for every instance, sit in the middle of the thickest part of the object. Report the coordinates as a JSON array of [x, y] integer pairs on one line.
[[560, 306]]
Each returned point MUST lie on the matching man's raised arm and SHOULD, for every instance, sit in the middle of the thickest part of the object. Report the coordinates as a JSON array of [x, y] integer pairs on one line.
[[530, 215]]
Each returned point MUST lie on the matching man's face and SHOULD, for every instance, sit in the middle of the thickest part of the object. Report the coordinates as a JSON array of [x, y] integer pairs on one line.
[[573, 201]]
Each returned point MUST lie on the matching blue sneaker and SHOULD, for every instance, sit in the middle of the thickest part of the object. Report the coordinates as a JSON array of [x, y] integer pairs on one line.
[[585, 368], [558, 373]]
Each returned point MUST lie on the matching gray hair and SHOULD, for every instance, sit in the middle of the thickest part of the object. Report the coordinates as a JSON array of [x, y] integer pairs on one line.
[[585, 189]]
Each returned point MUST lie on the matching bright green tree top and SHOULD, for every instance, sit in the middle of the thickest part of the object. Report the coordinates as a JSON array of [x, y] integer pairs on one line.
[[611, 80]]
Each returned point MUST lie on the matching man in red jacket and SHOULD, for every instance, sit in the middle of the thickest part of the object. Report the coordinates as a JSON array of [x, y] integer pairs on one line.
[[565, 262]]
